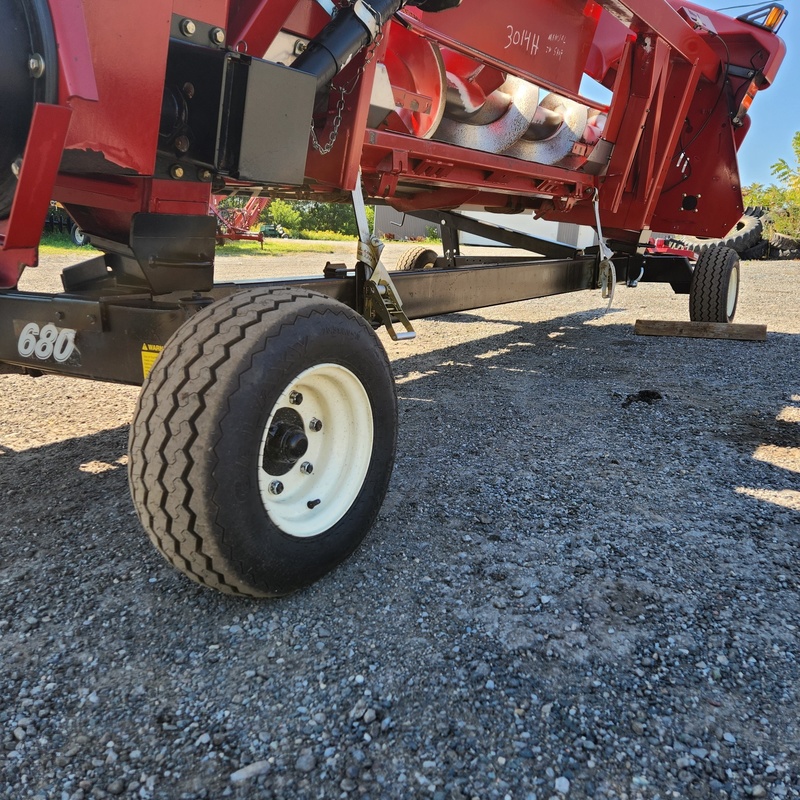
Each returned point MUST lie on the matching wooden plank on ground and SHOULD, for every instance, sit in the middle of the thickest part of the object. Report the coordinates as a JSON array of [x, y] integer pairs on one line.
[[701, 330]]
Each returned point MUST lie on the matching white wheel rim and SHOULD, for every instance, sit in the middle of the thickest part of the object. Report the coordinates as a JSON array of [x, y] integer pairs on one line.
[[733, 292], [303, 502]]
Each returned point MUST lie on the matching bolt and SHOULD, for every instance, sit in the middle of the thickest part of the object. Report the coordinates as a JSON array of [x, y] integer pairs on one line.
[[60, 315], [182, 144], [204, 174], [276, 487], [217, 35], [36, 65], [306, 468], [188, 28], [300, 47], [188, 90], [315, 425], [295, 398], [177, 171], [16, 167]]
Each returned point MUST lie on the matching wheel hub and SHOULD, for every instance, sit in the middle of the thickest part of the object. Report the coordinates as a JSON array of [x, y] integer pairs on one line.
[[286, 442]]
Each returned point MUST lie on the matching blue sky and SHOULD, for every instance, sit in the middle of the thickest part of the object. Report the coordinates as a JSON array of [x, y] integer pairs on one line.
[[776, 111]]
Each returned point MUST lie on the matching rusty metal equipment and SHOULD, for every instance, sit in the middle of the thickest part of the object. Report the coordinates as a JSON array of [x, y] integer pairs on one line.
[[265, 434]]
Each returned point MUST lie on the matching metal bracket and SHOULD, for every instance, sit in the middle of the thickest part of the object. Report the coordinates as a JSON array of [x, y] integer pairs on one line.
[[381, 299]]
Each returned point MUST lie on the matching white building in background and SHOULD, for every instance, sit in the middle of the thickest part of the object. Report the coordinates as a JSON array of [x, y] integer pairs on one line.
[[403, 226]]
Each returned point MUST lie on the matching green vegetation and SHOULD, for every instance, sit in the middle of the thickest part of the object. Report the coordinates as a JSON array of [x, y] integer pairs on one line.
[[782, 200], [308, 219]]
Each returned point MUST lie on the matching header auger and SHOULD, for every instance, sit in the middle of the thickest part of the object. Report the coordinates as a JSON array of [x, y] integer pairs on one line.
[[265, 433]]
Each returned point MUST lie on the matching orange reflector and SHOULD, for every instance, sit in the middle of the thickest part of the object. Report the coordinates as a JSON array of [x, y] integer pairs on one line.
[[769, 17], [747, 101], [775, 18]]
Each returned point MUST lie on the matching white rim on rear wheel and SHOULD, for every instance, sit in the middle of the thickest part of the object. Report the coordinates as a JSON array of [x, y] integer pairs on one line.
[[733, 291], [315, 450]]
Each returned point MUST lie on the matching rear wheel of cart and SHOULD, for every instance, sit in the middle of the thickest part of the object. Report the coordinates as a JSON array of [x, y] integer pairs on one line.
[[714, 291], [263, 441], [417, 258]]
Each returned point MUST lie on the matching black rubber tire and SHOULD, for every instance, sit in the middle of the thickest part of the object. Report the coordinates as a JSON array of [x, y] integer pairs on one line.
[[756, 252], [77, 236], [195, 439], [417, 258], [744, 235], [780, 241], [710, 292]]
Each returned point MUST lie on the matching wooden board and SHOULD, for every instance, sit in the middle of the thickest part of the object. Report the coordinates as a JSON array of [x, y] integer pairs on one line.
[[701, 330]]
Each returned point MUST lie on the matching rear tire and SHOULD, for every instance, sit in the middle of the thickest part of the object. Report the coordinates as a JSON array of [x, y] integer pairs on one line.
[[417, 258], [714, 290], [263, 441]]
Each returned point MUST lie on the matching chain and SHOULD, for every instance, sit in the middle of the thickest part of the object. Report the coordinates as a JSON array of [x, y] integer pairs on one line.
[[344, 91]]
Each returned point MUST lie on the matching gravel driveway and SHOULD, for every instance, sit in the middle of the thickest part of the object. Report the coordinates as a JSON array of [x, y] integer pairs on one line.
[[569, 591]]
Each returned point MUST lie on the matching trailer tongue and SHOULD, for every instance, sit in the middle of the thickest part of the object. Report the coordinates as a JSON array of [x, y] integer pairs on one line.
[[265, 433]]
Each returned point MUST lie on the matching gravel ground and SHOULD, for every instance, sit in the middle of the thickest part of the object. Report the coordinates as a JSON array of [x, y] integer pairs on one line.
[[568, 592]]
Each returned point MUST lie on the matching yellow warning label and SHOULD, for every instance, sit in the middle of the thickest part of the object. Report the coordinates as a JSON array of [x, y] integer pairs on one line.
[[149, 355]]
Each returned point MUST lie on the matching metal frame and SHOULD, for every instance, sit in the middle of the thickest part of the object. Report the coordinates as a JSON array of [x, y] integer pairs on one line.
[[142, 193]]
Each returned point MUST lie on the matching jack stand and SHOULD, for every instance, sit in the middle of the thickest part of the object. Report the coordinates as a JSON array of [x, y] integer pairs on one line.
[[608, 272], [381, 301]]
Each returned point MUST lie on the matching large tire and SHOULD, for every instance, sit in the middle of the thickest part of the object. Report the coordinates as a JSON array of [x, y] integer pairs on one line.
[[780, 241], [264, 440], [714, 291], [744, 235], [417, 258]]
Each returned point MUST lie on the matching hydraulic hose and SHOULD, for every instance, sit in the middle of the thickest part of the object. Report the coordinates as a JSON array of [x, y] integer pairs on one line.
[[349, 32]]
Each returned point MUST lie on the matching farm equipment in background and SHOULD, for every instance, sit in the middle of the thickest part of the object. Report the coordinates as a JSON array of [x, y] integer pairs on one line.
[[235, 223], [265, 434]]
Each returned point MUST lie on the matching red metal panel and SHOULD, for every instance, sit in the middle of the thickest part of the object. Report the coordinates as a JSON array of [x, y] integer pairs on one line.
[[32, 198], [214, 12], [75, 70], [548, 39], [659, 17], [130, 41], [255, 23]]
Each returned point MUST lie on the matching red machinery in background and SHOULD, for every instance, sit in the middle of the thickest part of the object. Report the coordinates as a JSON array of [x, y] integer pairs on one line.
[[235, 223], [265, 433]]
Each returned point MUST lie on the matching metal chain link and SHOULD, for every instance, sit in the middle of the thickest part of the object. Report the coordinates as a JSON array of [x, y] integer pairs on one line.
[[344, 91]]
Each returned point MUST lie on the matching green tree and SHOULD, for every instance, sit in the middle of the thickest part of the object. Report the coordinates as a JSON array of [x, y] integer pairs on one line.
[[783, 199], [285, 214]]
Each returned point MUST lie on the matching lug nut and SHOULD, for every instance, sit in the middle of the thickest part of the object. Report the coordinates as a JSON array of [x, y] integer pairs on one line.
[[188, 28], [276, 487], [306, 468], [217, 35], [295, 398], [315, 425]]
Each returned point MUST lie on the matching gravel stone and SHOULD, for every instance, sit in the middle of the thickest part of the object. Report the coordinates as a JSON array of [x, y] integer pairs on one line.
[[626, 580]]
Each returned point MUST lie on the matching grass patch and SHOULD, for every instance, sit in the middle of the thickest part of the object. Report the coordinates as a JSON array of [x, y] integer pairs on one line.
[[272, 247], [54, 244], [59, 244]]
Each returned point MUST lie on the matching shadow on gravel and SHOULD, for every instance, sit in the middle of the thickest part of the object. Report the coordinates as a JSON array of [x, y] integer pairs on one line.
[[554, 582]]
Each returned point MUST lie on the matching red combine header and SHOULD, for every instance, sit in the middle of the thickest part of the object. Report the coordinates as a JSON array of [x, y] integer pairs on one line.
[[265, 434]]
